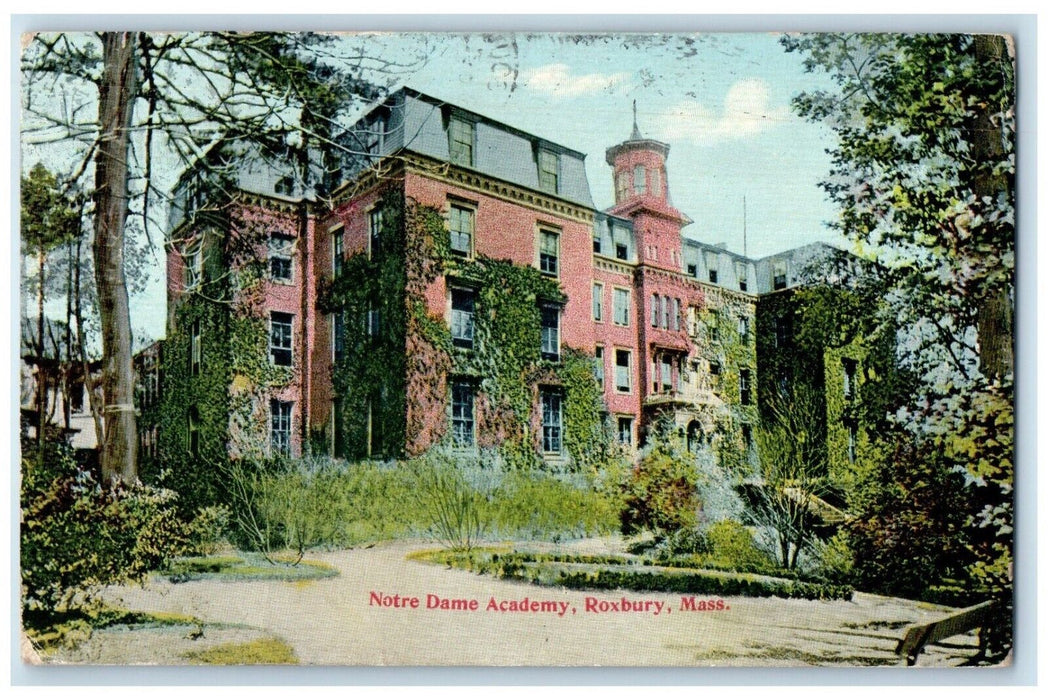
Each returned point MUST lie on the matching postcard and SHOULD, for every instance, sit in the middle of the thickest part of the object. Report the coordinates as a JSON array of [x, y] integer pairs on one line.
[[444, 349]]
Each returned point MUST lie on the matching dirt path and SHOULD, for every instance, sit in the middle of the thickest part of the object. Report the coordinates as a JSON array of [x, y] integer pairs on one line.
[[335, 622]]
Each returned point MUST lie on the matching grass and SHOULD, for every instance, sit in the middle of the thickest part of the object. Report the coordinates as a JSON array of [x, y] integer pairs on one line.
[[265, 651], [245, 566], [69, 628]]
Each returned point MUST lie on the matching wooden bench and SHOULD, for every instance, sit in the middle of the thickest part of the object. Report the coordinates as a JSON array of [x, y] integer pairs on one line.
[[917, 636]]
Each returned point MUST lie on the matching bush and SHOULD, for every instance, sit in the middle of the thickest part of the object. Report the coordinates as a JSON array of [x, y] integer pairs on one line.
[[732, 546], [529, 505], [834, 559], [660, 495], [456, 510], [78, 535]]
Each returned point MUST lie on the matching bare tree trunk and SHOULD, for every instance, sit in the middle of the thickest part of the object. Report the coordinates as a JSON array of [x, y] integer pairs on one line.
[[994, 313], [116, 96]]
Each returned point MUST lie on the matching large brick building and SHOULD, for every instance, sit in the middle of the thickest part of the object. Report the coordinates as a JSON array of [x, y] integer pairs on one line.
[[445, 287]]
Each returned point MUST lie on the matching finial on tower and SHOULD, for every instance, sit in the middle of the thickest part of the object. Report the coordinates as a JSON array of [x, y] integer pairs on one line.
[[635, 136]]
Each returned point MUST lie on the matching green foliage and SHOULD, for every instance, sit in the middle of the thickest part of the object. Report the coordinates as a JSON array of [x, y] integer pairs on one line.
[[909, 515], [835, 559], [266, 651], [49, 217], [732, 545], [533, 505], [661, 494], [611, 573], [456, 509], [77, 535], [246, 566]]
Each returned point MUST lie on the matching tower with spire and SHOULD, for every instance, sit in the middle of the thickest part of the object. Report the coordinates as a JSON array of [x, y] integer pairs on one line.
[[642, 194]]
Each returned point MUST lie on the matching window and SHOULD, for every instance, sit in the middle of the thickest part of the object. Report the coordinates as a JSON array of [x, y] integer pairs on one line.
[[374, 231], [714, 368], [552, 421], [853, 439], [375, 135], [280, 427], [193, 430], [338, 251], [665, 375], [550, 332], [621, 239], [621, 186], [744, 329], [372, 321], [460, 224], [462, 423], [675, 317], [655, 182], [666, 312], [460, 142], [285, 185], [744, 387], [338, 335], [623, 371], [462, 307], [598, 246], [740, 274], [779, 275], [693, 270], [280, 338], [194, 262], [713, 326], [281, 247], [639, 185], [747, 436], [782, 331], [598, 365], [549, 170], [549, 252], [850, 367], [621, 307], [654, 310], [194, 348], [624, 430], [711, 266], [598, 301]]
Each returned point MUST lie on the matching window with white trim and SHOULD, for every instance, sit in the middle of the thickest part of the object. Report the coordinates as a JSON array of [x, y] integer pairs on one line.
[[463, 425], [549, 170], [598, 365], [552, 421], [621, 307], [280, 427], [550, 319], [338, 252], [461, 224], [281, 251], [463, 303], [598, 301], [549, 252], [779, 271], [375, 221], [624, 430], [280, 337], [460, 141], [623, 371]]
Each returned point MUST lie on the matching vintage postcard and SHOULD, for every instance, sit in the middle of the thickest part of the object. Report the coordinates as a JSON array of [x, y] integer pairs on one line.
[[675, 350]]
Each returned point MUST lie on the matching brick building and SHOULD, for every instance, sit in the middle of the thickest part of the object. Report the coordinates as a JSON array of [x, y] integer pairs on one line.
[[445, 287]]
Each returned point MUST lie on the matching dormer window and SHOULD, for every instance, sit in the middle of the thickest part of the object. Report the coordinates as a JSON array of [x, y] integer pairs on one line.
[[460, 141], [549, 171], [779, 279]]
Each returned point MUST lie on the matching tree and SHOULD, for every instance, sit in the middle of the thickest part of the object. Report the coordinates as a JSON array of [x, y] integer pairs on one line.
[[793, 471], [170, 98], [923, 173], [50, 219]]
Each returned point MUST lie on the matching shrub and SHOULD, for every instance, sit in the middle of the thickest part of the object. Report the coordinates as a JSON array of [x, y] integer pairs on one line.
[[732, 546], [78, 535], [530, 505], [834, 559], [456, 510], [660, 495]]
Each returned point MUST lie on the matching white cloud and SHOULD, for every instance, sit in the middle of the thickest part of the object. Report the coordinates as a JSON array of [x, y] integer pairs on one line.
[[746, 111], [556, 79]]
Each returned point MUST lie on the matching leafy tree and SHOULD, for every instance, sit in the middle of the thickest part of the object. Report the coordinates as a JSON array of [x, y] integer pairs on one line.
[[162, 100], [793, 471], [661, 494], [923, 173]]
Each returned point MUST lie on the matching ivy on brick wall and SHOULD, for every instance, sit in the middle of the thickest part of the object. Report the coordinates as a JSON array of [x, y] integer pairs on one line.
[[413, 356]]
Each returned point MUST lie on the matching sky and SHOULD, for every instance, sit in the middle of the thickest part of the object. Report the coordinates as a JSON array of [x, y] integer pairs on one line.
[[720, 101]]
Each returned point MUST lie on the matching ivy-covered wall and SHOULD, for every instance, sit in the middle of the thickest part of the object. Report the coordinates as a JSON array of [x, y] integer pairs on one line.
[[409, 363]]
